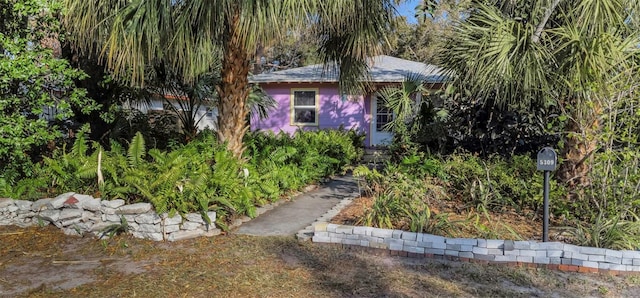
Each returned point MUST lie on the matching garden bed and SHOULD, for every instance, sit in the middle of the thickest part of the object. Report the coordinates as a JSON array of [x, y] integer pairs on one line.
[[507, 224]]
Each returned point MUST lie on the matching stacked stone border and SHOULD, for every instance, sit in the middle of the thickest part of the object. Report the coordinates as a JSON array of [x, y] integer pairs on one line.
[[551, 255], [77, 214]]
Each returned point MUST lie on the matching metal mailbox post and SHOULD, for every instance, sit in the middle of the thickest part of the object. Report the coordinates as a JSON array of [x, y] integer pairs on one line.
[[547, 161]]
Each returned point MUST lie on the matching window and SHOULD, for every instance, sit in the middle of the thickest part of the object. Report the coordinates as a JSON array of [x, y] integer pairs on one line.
[[210, 113], [304, 106], [383, 114], [169, 107]]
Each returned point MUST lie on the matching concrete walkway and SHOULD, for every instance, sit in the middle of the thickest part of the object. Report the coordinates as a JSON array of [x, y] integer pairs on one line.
[[290, 217]]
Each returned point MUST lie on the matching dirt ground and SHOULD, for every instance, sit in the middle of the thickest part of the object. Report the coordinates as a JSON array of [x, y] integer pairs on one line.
[[43, 262]]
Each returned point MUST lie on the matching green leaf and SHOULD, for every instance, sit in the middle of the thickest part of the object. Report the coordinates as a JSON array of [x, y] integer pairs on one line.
[[136, 150]]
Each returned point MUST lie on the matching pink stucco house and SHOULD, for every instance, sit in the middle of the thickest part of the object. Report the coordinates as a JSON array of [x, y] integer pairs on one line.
[[308, 98]]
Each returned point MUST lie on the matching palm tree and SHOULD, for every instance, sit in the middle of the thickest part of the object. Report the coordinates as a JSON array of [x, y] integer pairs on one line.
[[193, 34], [568, 53]]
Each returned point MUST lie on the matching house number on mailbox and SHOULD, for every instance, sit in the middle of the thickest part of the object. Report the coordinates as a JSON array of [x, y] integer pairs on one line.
[[547, 160]]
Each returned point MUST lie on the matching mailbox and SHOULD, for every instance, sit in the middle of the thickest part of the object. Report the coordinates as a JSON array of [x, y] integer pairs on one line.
[[547, 159]]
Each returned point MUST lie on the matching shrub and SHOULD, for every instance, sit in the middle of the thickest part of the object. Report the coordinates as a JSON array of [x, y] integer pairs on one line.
[[197, 176], [33, 83], [285, 162], [401, 202], [607, 232], [496, 183]]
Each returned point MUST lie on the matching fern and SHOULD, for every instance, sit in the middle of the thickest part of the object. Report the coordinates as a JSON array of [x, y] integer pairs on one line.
[[88, 170], [80, 145], [158, 156], [136, 150], [115, 147]]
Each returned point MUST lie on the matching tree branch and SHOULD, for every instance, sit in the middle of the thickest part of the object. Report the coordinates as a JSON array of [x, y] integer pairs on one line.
[[535, 38]]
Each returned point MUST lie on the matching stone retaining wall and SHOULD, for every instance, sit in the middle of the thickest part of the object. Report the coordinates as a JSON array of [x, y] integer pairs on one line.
[[553, 255], [77, 214]]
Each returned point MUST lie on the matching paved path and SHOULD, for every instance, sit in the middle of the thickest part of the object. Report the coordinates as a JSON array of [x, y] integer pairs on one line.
[[290, 217]]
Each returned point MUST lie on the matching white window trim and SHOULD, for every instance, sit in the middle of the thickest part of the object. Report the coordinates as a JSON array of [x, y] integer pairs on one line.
[[293, 107]]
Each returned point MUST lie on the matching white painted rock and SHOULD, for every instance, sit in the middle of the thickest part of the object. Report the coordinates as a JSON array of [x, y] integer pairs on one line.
[[70, 222], [23, 205], [171, 228], [149, 228], [100, 226], [194, 217], [6, 203], [175, 220], [90, 216], [91, 205], [150, 236], [112, 218], [189, 225]]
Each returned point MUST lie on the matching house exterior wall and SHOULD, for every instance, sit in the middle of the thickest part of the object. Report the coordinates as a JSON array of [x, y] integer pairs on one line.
[[207, 120], [333, 109]]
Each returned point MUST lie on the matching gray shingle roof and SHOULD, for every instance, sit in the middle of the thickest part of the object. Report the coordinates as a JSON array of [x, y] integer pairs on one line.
[[385, 69]]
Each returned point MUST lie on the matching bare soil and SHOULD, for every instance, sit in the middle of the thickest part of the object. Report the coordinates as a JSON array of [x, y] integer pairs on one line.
[[43, 262]]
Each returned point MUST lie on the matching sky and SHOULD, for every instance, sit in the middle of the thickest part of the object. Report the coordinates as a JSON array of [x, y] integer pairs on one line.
[[407, 9]]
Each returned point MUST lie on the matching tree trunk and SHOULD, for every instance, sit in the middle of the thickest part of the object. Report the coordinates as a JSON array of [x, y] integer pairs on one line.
[[233, 91], [579, 147], [535, 38]]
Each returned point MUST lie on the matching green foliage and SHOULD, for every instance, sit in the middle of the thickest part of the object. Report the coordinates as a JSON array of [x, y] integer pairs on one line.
[[285, 163], [28, 188], [136, 150], [115, 229], [608, 232], [405, 191], [401, 201], [196, 177], [604, 215], [32, 83], [68, 170], [496, 183]]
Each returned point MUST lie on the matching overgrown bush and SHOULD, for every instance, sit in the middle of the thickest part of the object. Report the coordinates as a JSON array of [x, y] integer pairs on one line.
[[406, 192], [497, 183], [198, 176], [401, 201], [35, 86], [287, 162], [607, 231]]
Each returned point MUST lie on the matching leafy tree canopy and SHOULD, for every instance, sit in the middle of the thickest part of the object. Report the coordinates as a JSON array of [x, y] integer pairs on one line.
[[193, 35], [33, 83]]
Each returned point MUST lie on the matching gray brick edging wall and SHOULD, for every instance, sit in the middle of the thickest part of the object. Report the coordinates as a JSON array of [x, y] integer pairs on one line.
[[554, 255]]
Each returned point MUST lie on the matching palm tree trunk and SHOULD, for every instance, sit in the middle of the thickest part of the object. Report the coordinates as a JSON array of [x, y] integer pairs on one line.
[[535, 38], [580, 145], [233, 91]]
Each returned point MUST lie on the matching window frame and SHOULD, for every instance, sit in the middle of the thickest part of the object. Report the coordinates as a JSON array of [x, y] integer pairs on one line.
[[389, 113], [316, 107]]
